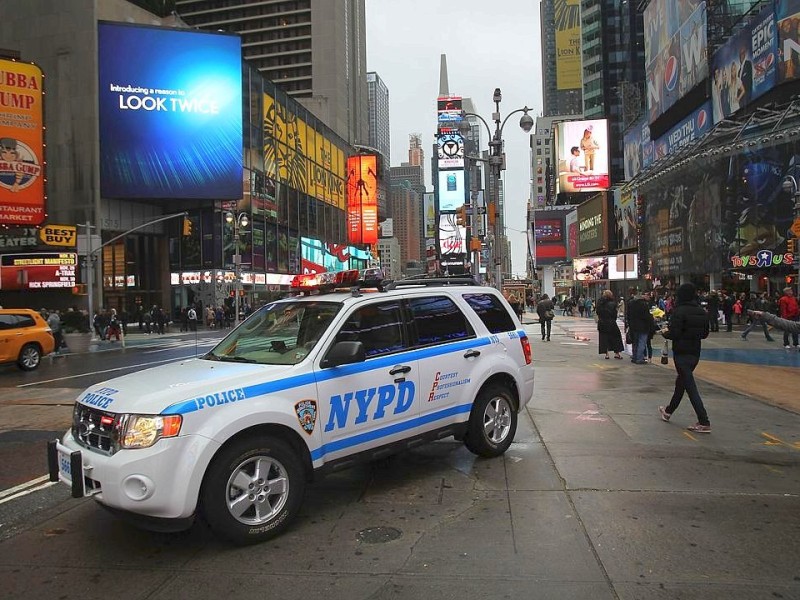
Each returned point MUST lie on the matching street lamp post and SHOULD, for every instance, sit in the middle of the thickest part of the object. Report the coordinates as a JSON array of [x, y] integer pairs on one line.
[[790, 186], [497, 164], [239, 221]]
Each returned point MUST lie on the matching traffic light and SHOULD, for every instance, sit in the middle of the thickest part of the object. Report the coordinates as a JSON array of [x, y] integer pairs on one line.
[[491, 210], [791, 245], [461, 216], [187, 226]]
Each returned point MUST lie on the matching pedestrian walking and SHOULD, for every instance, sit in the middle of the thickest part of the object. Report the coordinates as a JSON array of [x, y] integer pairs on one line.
[[761, 304], [609, 335], [789, 310], [639, 321], [546, 311], [191, 315], [54, 322], [688, 325]]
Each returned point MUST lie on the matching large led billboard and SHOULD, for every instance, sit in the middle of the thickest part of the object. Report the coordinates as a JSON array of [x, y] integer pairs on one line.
[[745, 67], [451, 150], [21, 145], [590, 269], [582, 150], [451, 190], [362, 199], [568, 44], [170, 106], [38, 271], [452, 236], [449, 112], [623, 266], [675, 51]]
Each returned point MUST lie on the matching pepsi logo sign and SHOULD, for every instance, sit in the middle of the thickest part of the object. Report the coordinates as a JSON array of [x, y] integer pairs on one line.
[[702, 119], [671, 73]]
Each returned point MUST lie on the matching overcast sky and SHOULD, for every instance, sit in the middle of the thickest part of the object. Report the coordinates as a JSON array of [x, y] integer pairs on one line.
[[488, 44]]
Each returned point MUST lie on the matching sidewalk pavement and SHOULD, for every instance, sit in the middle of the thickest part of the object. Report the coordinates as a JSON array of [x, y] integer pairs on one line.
[[754, 367]]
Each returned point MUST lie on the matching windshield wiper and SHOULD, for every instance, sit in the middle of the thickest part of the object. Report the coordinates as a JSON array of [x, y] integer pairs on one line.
[[236, 359], [209, 356]]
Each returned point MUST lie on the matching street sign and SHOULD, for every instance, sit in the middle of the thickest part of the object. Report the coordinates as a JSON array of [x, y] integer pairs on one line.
[[795, 228]]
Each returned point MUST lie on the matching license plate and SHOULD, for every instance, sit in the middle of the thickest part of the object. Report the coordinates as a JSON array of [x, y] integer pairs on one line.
[[64, 465]]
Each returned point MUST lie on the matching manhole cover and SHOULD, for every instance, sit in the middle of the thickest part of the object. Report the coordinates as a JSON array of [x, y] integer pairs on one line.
[[379, 535]]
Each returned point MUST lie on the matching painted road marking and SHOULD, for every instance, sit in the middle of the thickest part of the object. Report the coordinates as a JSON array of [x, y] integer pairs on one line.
[[155, 362], [690, 436], [26, 488], [773, 440]]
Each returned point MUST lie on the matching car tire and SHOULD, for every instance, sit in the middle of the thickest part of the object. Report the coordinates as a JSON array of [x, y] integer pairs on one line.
[[275, 483], [492, 422], [30, 357]]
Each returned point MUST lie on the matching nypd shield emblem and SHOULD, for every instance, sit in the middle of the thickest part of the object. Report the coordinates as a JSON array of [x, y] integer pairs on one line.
[[307, 414]]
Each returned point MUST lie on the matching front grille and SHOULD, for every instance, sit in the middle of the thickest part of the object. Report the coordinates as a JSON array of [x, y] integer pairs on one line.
[[90, 428]]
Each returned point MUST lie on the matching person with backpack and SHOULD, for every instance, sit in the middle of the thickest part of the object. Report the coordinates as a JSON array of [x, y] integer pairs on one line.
[[688, 325], [546, 311]]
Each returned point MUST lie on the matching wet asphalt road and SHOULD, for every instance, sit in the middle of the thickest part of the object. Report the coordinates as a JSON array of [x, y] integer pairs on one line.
[[597, 498]]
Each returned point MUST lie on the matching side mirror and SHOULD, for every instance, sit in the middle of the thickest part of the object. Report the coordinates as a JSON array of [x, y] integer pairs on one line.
[[344, 353]]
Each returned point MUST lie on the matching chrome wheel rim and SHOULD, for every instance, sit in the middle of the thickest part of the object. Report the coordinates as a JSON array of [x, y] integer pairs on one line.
[[30, 358], [257, 490], [497, 420]]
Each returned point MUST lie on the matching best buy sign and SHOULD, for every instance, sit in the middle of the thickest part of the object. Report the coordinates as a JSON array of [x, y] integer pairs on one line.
[[58, 235]]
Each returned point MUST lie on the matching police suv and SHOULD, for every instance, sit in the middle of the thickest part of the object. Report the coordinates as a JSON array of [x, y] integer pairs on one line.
[[306, 384]]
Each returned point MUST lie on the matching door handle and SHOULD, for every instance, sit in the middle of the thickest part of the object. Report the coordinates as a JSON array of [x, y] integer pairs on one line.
[[398, 370], [472, 354]]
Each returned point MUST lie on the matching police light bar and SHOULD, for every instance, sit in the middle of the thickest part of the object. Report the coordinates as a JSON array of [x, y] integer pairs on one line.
[[324, 281]]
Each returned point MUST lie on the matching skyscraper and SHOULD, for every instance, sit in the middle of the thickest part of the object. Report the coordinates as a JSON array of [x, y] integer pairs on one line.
[[313, 49], [379, 136], [561, 56], [613, 70]]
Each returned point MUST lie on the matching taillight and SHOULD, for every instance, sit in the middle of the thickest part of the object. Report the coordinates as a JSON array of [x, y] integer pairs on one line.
[[526, 349]]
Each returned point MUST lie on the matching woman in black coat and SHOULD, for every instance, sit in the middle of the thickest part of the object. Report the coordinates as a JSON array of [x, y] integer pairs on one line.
[[610, 337]]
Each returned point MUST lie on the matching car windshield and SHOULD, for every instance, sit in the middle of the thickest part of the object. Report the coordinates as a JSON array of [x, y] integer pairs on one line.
[[281, 333]]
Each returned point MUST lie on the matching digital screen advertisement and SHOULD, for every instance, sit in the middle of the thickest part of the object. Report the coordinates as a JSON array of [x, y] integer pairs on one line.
[[38, 271], [590, 269], [623, 266], [170, 104], [22, 201], [548, 230], [582, 148], [362, 199], [451, 150], [451, 190], [452, 237]]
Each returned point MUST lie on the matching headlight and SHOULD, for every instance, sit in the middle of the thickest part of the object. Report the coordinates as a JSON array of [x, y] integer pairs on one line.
[[142, 431]]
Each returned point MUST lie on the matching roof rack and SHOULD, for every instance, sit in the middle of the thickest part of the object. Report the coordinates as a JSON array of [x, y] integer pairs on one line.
[[432, 282]]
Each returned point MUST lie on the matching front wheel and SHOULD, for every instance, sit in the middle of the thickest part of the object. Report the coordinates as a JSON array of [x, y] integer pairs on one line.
[[29, 357], [252, 490], [492, 422]]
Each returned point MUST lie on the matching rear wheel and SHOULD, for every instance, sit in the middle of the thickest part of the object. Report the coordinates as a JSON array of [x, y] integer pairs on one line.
[[29, 357], [252, 490], [492, 422]]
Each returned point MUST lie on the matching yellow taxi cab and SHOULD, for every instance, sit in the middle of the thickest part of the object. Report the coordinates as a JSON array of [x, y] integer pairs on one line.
[[25, 337]]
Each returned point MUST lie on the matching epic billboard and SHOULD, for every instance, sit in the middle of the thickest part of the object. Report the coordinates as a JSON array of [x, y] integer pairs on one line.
[[21, 144], [745, 67], [675, 51], [582, 149], [170, 106]]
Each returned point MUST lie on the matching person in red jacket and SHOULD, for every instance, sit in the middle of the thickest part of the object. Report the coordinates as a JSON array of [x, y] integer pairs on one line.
[[788, 309]]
